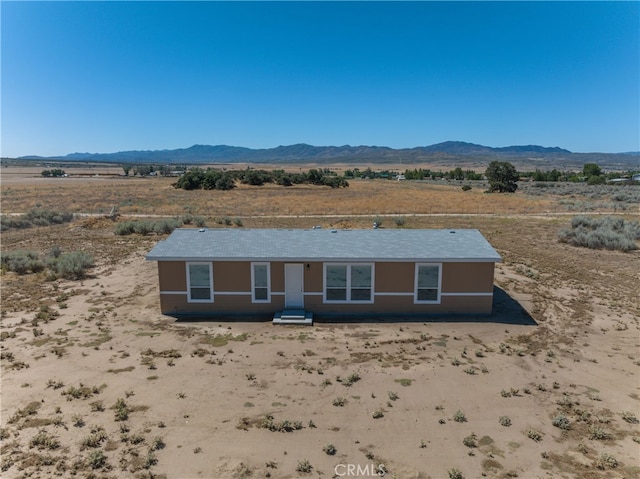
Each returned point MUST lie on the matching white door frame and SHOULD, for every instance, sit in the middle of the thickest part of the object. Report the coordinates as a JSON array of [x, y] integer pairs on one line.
[[294, 285]]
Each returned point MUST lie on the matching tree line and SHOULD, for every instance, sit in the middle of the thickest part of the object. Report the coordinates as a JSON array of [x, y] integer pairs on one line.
[[56, 173], [215, 179]]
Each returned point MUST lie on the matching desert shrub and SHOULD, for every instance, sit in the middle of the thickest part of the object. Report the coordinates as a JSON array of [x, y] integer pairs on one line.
[[82, 392], [143, 227], [377, 414], [629, 417], [399, 221], [157, 444], [330, 449], [459, 416], [304, 466], [13, 222], [351, 379], [150, 460], [35, 217], [94, 440], [22, 262], [46, 314], [606, 461], [505, 421], [470, 441], [620, 197], [73, 265], [466, 187], [535, 435], [121, 410], [597, 433], [166, 226], [78, 420], [561, 421], [282, 426], [44, 217], [44, 440], [125, 228], [339, 402], [455, 474], [606, 232], [96, 459]]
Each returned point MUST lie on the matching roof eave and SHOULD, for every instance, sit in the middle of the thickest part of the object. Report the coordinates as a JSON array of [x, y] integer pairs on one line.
[[328, 260]]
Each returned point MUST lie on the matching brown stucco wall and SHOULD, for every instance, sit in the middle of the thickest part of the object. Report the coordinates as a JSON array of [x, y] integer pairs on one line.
[[313, 272], [223, 304], [172, 275], [277, 276], [467, 277], [399, 305], [393, 277], [232, 276]]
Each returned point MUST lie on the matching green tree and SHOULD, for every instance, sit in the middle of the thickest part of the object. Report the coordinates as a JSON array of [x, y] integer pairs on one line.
[[126, 169], [596, 180], [591, 169], [191, 180], [255, 177], [225, 182], [315, 177], [502, 177], [457, 174]]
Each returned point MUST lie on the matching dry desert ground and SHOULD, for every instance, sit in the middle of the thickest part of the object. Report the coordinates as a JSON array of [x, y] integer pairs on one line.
[[97, 383]]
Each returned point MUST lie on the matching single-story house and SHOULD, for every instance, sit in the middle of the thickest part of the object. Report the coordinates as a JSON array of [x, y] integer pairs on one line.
[[292, 274]]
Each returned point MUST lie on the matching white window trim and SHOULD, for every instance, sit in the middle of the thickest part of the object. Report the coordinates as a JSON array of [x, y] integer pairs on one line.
[[348, 286], [253, 285], [210, 265], [415, 284]]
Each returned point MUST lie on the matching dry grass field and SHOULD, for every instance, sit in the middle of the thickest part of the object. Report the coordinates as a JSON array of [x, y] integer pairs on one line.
[[96, 383], [23, 189]]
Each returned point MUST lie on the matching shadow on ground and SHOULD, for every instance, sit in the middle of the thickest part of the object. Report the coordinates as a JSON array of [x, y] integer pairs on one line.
[[508, 310]]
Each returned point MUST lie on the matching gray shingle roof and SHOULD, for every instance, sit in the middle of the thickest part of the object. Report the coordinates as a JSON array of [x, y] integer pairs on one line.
[[190, 244]]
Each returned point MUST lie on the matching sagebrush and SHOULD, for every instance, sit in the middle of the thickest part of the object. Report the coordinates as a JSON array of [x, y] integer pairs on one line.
[[606, 232]]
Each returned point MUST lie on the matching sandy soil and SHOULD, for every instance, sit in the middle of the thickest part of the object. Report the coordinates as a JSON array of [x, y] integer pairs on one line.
[[96, 383]]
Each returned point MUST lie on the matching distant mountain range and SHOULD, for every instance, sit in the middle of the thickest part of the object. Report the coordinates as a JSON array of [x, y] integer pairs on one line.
[[449, 152]]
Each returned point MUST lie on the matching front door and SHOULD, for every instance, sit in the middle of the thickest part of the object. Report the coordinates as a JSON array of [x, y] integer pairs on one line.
[[293, 285]]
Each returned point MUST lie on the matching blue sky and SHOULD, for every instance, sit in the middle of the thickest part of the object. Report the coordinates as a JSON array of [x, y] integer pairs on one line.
[[112, 76]]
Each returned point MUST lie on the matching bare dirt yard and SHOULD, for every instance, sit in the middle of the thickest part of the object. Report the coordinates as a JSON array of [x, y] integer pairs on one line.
[[97, 383]]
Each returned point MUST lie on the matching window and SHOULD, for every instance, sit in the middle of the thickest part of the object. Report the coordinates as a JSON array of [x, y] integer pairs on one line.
[[348, 283], [260, 276], [427, 283], [200, 282]]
